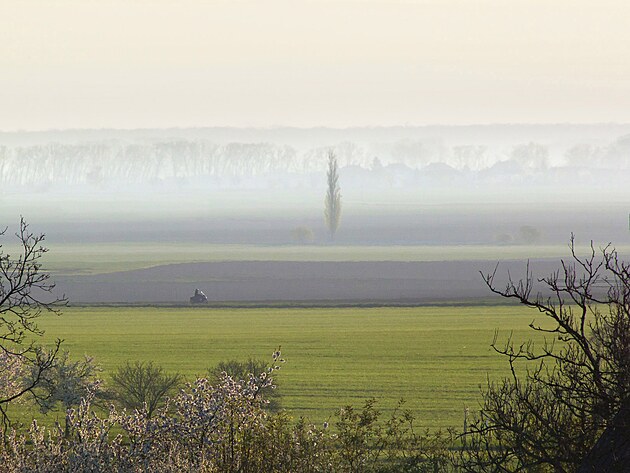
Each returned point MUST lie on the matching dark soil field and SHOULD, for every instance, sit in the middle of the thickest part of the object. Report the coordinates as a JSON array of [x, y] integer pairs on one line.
[[386, 282]]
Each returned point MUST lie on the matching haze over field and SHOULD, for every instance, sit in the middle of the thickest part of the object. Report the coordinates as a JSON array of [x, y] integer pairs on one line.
[[178, 198], [155, 128]]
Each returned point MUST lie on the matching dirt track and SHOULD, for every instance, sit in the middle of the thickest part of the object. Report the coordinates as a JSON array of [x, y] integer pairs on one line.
[[419, 282]]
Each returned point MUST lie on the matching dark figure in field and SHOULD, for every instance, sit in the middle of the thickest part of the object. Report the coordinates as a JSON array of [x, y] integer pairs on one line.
[[198, 298]]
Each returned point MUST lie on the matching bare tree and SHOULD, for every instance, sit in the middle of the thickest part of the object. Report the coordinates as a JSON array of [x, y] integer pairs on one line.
[[563, 392], [332, 203], [143, 385], [26, 293]]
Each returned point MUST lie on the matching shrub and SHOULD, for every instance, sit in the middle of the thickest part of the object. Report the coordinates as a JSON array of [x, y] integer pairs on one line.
[[303, 235], [142, 385]]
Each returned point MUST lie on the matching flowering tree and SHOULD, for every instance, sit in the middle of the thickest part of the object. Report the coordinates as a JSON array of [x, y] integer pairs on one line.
[[67, 384], [26, 292], [206, 427], [224, 427], [12, 374], [239, 371]]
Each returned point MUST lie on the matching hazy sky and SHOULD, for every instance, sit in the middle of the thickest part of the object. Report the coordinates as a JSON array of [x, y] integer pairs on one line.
[[129, 64]]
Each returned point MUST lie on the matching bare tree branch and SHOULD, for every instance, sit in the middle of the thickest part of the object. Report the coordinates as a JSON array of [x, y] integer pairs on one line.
[[563, 393], [26, 293]]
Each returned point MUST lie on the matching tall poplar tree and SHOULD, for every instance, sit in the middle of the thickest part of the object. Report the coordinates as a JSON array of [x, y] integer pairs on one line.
[[332, 203]]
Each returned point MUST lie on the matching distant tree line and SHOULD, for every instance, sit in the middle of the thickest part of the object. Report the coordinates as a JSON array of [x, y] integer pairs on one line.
[[94, 163]]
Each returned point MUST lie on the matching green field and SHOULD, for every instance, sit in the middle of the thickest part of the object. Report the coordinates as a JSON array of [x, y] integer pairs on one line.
[[434, 357]]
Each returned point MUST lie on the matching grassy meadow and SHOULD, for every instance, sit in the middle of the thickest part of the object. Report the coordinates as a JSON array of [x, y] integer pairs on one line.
[[434, 357]]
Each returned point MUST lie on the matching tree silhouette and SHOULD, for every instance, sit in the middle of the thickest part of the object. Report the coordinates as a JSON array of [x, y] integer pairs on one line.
[[332, 203], [26, 293], [565, 390]]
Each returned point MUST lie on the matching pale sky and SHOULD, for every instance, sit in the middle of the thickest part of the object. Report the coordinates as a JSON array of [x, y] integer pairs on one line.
[[139, 64]]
